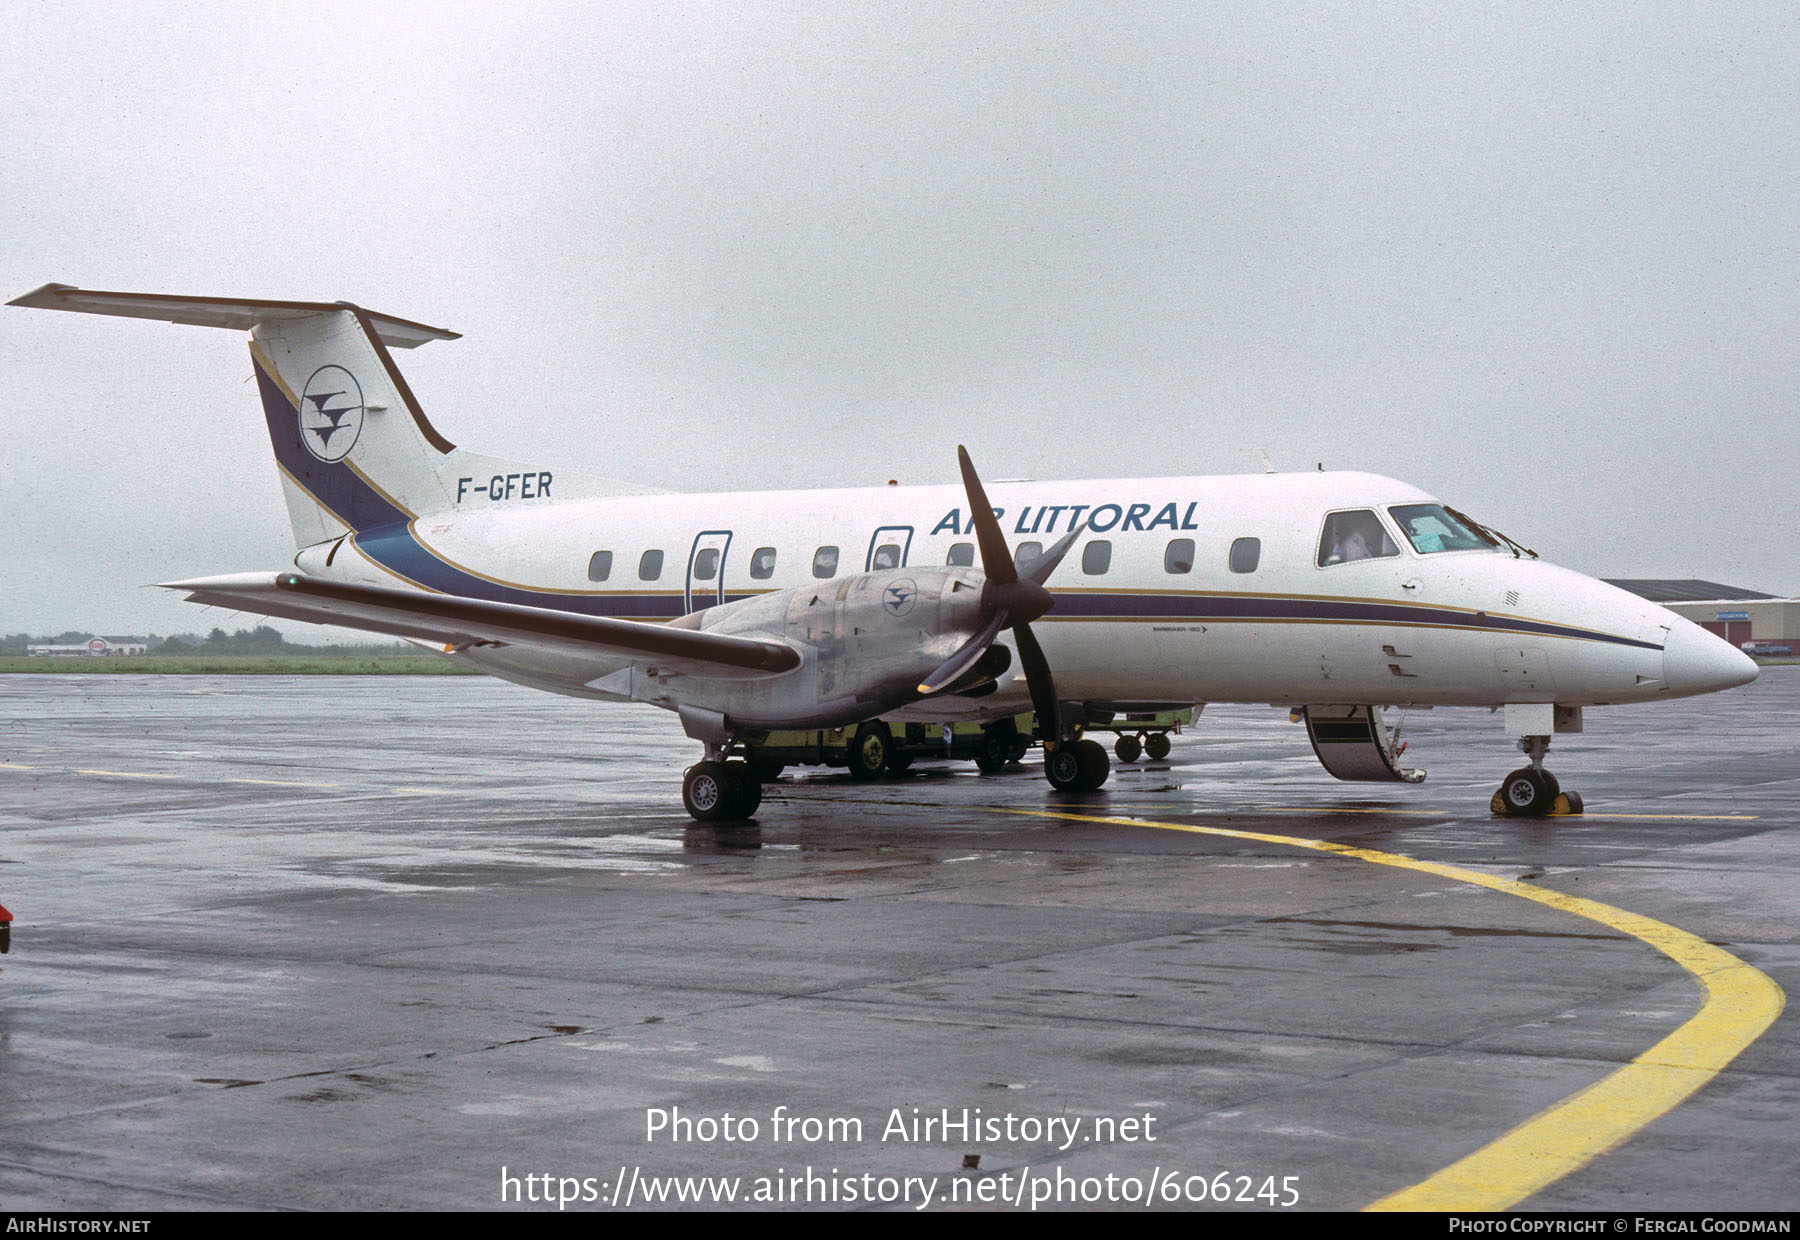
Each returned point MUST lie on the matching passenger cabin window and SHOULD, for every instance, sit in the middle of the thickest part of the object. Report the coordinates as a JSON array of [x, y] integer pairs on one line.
[[1027, 553], [1246, 553], [650, 567], [825, 561], [1096, 557], [706, 564], [1430, 527], [887, 556], [762, 563], [1179, 558], [962, 555], [1354, 536], [600, 566]]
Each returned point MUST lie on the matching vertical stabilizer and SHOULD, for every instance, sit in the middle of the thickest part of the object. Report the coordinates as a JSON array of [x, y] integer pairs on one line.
[[354, 450]]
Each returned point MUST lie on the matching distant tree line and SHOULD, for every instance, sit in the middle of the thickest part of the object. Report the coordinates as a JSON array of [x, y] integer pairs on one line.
[[262, 640]]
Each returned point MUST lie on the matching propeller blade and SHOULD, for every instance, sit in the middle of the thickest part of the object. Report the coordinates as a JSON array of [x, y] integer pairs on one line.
[[965, 657], [1043, 687], [1014, 599], [1045, 564], [996, 560]]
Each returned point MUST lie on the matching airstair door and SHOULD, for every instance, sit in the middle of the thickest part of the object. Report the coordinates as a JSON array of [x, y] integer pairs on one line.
[[889, 548], [706, 571]]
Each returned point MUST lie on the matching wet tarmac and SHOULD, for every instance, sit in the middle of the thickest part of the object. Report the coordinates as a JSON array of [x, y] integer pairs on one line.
[[333, 942]]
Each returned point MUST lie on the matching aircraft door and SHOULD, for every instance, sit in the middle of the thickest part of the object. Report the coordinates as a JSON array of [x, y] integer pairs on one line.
[[889, 548], [706, 571]]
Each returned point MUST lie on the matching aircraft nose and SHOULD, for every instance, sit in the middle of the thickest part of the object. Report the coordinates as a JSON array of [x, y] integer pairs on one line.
[[1695, 661]]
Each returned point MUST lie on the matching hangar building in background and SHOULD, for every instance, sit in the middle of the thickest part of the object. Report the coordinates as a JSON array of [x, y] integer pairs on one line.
[[1739, 616]]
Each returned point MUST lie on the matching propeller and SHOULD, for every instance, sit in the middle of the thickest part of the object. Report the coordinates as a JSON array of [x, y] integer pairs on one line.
[[1011, 600]]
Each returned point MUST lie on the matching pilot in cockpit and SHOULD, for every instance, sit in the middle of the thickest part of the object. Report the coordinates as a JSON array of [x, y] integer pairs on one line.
[[1356, 544], [1354, 536]]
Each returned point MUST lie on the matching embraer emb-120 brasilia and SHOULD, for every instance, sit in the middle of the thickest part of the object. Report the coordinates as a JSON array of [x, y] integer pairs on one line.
[[1337, 594]]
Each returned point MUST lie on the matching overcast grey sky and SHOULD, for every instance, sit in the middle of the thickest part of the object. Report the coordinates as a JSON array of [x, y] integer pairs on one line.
[[1539, 259]]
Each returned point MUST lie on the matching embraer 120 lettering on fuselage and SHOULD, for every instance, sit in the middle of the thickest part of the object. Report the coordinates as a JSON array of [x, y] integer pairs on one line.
[[1337, 594]]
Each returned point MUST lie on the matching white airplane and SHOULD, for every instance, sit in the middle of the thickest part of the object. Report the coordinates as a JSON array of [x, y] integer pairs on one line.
[[1338, 594]]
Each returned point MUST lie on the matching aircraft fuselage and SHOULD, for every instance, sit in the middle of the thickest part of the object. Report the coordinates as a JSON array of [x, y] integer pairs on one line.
[[1165, 619]]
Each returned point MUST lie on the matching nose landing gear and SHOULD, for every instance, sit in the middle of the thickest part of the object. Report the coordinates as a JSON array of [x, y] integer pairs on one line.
[[1531, 791]]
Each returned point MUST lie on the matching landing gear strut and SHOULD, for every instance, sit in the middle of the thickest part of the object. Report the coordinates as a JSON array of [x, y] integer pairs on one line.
[[1531, 791]]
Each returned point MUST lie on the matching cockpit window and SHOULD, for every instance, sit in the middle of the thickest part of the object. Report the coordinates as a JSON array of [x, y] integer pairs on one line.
[[1430, 527], [1354, 536]]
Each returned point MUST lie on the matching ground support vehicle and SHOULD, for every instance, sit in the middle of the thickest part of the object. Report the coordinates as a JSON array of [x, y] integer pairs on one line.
[[887, 747], [1144, 733]]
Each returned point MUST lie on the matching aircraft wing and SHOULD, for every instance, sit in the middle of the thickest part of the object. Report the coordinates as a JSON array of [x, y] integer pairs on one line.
[[452, 621]]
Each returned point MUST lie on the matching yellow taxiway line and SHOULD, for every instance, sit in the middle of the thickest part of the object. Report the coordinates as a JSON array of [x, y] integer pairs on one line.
[[1438, 813], [1740, 1002]]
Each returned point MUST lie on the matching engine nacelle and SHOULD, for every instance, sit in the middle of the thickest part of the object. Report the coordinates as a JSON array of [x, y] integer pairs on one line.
[[866, 642]]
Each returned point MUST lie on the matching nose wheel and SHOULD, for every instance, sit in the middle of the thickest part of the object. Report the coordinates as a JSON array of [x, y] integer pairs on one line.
[[1533, 792]]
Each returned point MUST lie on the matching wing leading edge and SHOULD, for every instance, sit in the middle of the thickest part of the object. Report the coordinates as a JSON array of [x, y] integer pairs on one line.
[[452, 621]]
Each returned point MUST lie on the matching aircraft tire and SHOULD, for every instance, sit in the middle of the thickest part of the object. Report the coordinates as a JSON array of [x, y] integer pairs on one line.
[[766, 769], [1128, 748], [746, 789], [1095, 766], [1528, 793], [1157, 746], [708, 792], [996, 752], [1063, 768], [869, 750]]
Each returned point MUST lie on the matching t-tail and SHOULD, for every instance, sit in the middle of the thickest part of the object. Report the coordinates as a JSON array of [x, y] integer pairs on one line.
[[354, 449]]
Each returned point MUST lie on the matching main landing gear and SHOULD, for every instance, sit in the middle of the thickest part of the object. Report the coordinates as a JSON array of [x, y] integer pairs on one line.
[[1531, 791], [1076, 765], [718, 791]]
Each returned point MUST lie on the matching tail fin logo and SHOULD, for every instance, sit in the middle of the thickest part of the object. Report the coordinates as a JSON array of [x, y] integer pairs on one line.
[[331, 413]]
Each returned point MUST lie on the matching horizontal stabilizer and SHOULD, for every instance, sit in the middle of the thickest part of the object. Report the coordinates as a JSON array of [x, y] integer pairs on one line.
[[452, 621], [239, 313]]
